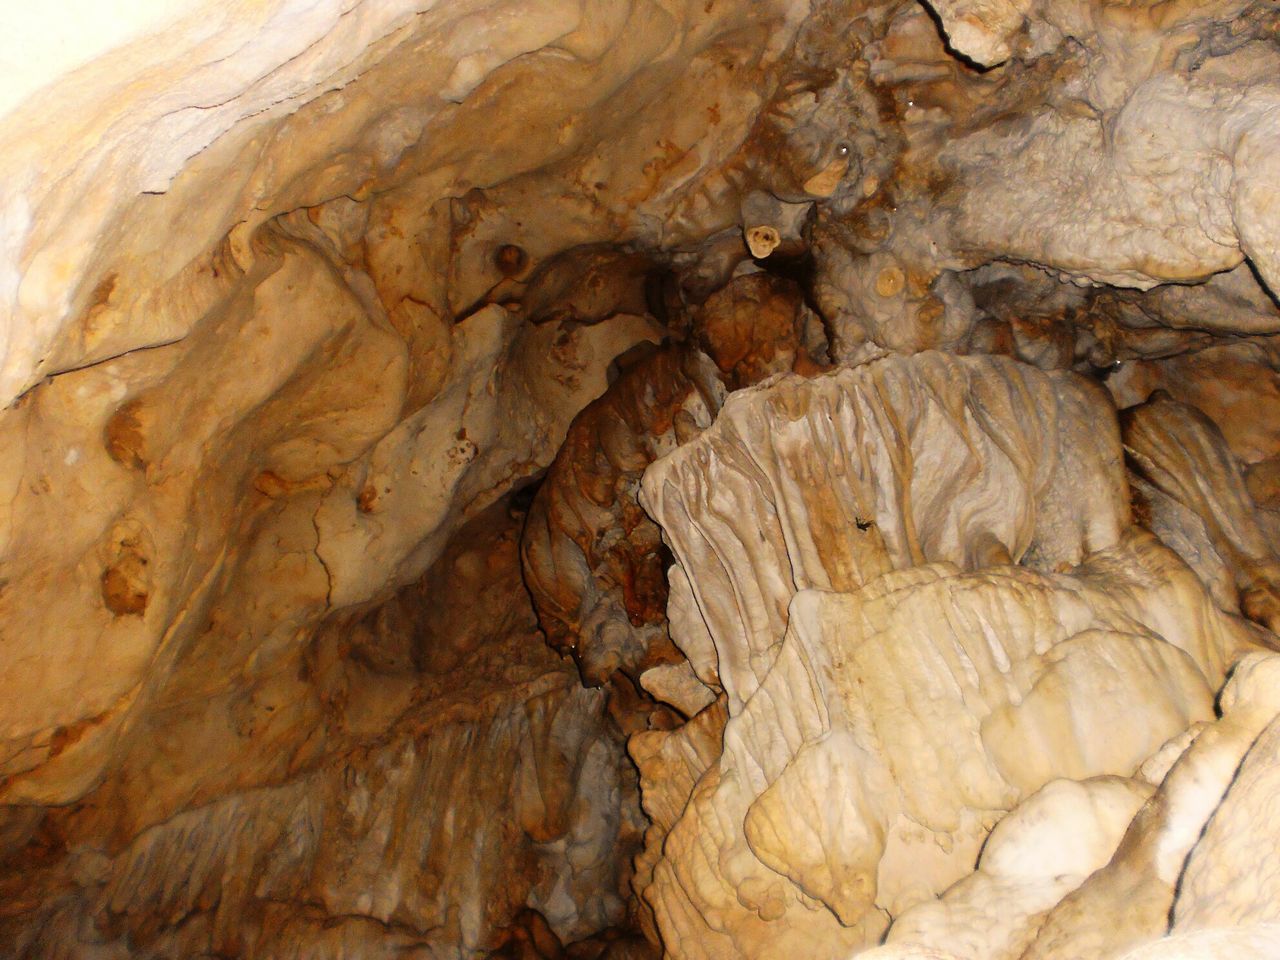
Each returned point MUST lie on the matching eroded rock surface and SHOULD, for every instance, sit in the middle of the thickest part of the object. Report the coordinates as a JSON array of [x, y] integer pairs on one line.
[[871, 657], [466, 775], [1189, 468], [829, 483], [306, 307], [593, 561]]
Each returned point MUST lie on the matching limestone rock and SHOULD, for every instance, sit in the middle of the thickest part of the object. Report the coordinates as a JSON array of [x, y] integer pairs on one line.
[[754, 327], [828, 483], [1037, 854], [593, 561], [920, 782], [982, 29], [1183, 454], [300, 300], [1247, 943], [588, 284], [1227, 881], [1129, 901], [922, 766], [468, 776]]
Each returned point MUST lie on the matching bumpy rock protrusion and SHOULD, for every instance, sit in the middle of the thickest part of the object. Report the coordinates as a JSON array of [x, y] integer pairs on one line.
[[593, 561], [830, 482], [1187, 466]]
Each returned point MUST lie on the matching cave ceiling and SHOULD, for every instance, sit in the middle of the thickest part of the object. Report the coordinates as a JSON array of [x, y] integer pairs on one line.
[[640, 478]]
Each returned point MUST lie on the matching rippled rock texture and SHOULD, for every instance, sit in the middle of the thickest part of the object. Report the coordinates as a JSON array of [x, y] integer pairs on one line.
[[894, 683], [634, 477]]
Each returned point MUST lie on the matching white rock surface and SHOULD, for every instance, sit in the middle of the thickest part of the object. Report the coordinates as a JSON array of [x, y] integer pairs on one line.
[[1036, 855], [828, 483], [929, 701]]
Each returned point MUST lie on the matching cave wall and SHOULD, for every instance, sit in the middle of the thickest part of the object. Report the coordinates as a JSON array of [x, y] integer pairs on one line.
[[309, 362], [300, 296]]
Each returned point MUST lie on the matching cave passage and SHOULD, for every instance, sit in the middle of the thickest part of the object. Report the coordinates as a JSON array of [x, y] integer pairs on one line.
[[637, 479]]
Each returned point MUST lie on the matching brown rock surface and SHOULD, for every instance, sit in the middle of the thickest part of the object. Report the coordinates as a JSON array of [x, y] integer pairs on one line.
[[301, 302]]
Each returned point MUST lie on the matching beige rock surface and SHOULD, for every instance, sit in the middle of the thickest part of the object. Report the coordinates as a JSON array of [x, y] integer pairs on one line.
[[301, 300], [1185, 457], [922, 766], [1229, 881], [1247, 943], [929, 701], [828, 483], [308, 417], [1036, 855], [1130, 901]]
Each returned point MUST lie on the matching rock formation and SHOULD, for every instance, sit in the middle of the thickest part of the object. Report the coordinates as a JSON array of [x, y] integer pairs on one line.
[[861, 662], [635, 478]]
